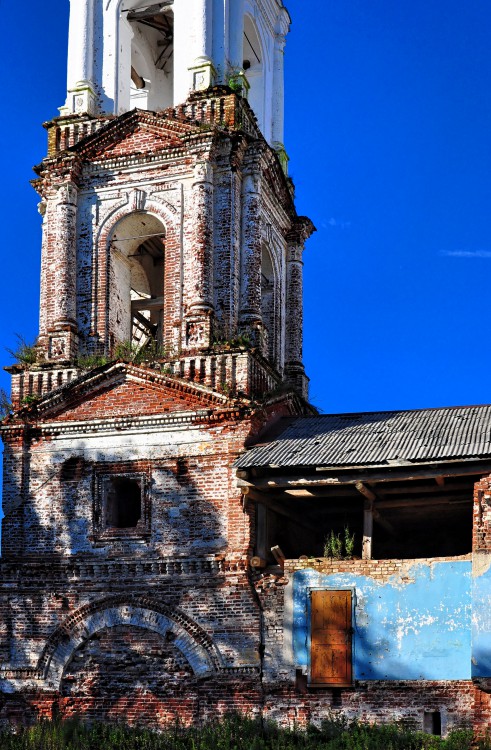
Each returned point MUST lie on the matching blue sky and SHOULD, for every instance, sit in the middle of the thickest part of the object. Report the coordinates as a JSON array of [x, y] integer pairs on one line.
[[388, 126]]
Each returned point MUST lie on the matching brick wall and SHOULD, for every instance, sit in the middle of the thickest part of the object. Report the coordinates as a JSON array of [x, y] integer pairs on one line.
[[288, 697]]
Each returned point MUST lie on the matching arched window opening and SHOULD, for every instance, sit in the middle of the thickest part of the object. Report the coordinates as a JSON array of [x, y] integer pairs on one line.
[[254, 65], [268, 306], [152, 57], [137, 281]]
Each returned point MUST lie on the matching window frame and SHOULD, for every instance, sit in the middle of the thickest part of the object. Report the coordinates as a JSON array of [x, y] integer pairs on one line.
[[103, 533]]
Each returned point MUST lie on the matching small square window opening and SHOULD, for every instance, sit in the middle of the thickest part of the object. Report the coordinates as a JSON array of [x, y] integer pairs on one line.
[[123, 502], [121, 505]]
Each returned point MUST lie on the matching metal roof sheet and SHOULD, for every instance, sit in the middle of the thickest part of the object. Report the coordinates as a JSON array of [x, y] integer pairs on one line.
[[377, 438]]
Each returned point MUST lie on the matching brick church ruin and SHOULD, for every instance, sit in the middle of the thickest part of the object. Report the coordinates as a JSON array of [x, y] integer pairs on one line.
[[168, 489]]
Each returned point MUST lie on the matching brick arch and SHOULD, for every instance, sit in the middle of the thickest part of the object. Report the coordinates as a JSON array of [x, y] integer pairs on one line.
[[142, 612], [157, 207]]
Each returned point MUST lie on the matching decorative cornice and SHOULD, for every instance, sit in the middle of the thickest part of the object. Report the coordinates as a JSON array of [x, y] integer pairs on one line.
[[300, 231]]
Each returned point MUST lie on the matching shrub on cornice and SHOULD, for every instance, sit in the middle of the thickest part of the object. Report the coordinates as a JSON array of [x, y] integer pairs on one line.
[[25, 353]]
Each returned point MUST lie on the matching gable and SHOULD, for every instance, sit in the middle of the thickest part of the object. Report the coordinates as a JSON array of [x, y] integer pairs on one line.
[[134, 133], [142, 140], [127, 398], [125, 391]]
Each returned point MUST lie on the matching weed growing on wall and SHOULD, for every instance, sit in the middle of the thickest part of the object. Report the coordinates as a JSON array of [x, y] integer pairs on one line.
[[234, 733], [25, 353], [128, 351], [339, 547], [6, 407]]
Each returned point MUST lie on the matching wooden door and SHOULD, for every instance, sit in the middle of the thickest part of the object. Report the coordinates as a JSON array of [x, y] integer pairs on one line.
[[331, 629]]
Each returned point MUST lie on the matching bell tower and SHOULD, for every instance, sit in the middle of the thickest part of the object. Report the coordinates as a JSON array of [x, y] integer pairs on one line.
[[170, 336], [168, 217], [130, 53]]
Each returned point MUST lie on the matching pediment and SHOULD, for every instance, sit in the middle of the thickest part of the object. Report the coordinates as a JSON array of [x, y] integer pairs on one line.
[[136, 132], [122, 390]]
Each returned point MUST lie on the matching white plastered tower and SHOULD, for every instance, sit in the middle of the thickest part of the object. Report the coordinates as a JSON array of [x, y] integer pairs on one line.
[[150, 55]]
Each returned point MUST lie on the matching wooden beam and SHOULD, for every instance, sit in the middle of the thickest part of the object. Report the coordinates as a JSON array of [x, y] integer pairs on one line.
[[321, 496], [422, 502], [391, 475], [366, 491], [142, 320], [152, 303], [137, 79], [150, 11], [276, 507], [372, 497], [384, 490]]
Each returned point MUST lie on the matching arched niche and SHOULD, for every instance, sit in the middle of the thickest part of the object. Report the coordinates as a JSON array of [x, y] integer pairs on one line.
[[254, 63], [193, 643], [269, 302], [137, 280]]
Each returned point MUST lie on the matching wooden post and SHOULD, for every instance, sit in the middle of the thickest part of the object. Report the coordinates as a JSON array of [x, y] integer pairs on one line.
[[366, 552]]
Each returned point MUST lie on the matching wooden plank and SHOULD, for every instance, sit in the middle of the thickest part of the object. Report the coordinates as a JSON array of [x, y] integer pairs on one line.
[[330, 656], [429, 503], [152, 303], [391, 475], [146, 324]]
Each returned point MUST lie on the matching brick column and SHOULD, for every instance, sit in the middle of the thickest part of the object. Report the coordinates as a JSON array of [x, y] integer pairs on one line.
[[250, 318], [481, 529], [80, 73], [294, 368], [199, 268], [236, 27], [63, 329], [279, 91], [45, 265], [228, 192]]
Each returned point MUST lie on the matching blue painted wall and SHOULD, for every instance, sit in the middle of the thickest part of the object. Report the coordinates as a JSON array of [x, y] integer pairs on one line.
[[481, 624], [415, 627]]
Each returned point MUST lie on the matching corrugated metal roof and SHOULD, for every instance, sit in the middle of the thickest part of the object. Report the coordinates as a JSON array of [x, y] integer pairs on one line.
[[377, 438]]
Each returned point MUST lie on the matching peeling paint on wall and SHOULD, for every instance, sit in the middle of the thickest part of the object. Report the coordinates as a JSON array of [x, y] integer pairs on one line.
[[481, 622], [416, 628]]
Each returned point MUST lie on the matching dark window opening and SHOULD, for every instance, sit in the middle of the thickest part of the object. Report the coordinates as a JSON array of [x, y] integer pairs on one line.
[[420, 518], [123, 502], [337, 698], [138, 274], [432, 722], [152, 57], [302, 528]]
